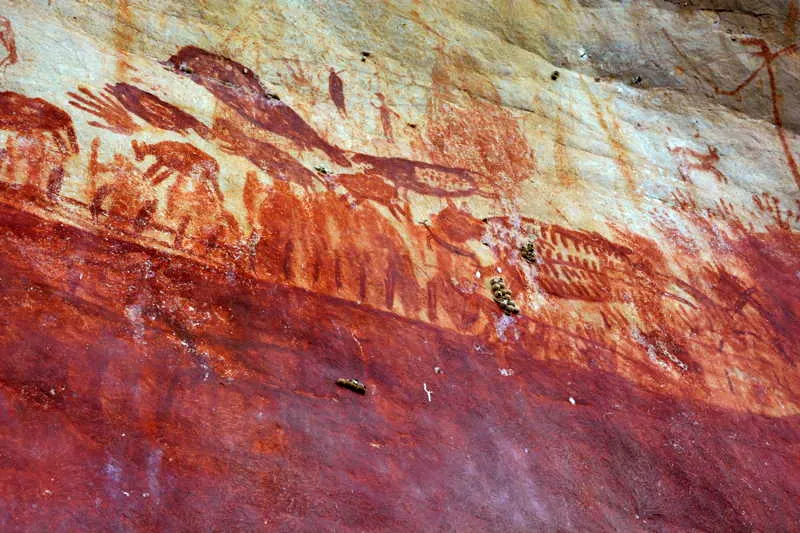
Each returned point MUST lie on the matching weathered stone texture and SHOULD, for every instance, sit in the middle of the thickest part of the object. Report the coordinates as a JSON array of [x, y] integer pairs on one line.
[[211, 211]]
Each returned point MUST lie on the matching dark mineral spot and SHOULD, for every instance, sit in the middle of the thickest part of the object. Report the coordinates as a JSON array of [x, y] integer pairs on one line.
[[554, 76]]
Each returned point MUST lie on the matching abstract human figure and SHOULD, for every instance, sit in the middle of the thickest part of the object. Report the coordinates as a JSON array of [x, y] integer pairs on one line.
[[694, 161], [769, 57], [319, 242], [194, 200], [386, 117], [336, 91], [286, 244], [38, 126], [7, 40]]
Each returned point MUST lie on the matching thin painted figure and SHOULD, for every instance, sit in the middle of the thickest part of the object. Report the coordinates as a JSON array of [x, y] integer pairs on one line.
[[7, 40]]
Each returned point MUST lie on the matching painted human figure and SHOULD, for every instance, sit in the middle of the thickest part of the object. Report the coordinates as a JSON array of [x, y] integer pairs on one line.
[[7, 40]]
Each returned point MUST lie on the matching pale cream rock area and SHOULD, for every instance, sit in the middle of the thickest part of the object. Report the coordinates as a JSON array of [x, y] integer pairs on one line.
[[638, 122]]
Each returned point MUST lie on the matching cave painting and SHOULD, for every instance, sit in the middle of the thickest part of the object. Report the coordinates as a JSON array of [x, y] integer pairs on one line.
[[225, 284], [8, 42], [344, 227], [386, 114], [768, 57], [691, 161], [336, 91], [41, 140]]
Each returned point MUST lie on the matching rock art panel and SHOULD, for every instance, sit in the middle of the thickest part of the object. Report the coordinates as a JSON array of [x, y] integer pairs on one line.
[[212, 241]]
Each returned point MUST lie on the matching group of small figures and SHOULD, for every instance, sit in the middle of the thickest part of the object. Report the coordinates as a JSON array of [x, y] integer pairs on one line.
[[502, 296]]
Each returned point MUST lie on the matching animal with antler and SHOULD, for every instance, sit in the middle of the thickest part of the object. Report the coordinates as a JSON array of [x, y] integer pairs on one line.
[[692, 161]]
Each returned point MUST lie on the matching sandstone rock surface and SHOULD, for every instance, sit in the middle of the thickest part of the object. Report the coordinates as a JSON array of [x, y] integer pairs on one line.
[[211, 211]]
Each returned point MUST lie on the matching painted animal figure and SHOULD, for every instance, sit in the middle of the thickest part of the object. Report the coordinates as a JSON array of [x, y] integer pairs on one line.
[[240, 88], [362, 187], [195, 203], [25, 115], [693, 161], [36, 126], [178, 158], [424, 178]]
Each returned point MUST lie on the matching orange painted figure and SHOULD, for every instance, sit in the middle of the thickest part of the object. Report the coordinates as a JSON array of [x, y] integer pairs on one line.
[[7, 39], [194, 202], [694, 161], [386, 117], [43, 138], [119, 189]]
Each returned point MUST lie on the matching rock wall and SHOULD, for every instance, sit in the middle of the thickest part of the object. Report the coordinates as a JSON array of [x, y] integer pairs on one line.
[[211, 211]]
